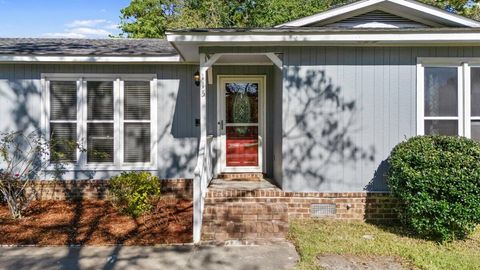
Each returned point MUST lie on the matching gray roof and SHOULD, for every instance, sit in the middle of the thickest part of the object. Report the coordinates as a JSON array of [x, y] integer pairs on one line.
[[85, 47]]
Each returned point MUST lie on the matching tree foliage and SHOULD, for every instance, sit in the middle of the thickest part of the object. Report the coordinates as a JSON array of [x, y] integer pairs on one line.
[[467, 8], [152, 18]]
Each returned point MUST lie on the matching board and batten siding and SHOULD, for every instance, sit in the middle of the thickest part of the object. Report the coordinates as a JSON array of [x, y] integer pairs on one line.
[[178, 106], [344, 109]]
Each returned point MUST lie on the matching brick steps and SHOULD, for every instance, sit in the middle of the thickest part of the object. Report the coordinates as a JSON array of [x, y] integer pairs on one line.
[[244, 220]]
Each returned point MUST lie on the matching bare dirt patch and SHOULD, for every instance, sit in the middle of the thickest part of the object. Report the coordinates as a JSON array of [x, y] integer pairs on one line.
[[350, 262], [97, 222]]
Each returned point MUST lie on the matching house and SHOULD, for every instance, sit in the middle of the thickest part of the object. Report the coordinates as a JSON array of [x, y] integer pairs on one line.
[[314, 104]]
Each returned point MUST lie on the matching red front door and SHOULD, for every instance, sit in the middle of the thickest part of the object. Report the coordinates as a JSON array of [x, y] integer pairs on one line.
[[242, 124]]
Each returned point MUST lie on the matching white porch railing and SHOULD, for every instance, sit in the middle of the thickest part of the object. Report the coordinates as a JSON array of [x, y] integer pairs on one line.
[[203, 177]]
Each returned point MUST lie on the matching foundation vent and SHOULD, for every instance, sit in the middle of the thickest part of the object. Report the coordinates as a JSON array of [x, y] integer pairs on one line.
[[319, 210]]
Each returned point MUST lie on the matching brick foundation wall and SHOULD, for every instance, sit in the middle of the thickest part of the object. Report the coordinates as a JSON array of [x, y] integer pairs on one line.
[[263, 215], [370, 207], [98, 189]]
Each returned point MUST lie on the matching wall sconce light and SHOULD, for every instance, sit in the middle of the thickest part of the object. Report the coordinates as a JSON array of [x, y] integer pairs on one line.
[[196, 78]]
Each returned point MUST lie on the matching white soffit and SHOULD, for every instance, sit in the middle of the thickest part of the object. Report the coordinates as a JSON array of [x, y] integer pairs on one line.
[[409, 9]]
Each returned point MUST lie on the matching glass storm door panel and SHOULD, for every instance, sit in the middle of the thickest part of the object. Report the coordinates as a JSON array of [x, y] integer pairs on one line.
[[242, 124]]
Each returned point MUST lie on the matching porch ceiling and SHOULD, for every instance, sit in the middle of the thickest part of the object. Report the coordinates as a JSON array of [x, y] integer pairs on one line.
[[244, 59]]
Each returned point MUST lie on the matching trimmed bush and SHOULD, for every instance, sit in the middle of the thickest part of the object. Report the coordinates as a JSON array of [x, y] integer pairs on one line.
[[438, 180], [134, 192]]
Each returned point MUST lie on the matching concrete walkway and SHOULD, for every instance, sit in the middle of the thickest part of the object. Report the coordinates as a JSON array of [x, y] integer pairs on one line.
[[278, 256]]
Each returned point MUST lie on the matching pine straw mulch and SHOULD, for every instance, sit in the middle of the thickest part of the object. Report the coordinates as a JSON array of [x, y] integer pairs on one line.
[[97, 222]]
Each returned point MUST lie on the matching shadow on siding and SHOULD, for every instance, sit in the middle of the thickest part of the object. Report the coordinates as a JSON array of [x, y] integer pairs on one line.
[[178, 137], [319, 132]]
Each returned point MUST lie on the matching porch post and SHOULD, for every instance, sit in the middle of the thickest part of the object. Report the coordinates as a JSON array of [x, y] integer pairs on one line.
[[200, 174], [203, 102]]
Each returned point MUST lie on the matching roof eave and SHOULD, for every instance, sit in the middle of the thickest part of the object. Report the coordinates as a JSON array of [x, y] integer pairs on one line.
[[325, 35], [189, 43], [16, 58]]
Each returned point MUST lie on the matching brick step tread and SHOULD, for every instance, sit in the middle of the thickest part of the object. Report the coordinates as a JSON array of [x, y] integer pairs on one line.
[[212, 194], [242, 173], [250, 239], [248, 205], [245, 242], [216, 223], [242, 176], [244, 212], [230, 201], [238, 230], [219, 201], [242, 222], [242, 179], [238, 233], [248, 208]]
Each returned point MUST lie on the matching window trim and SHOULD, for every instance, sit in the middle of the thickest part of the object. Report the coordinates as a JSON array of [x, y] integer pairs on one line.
[[421, 98], [84, 122], [153, 119], [464, 65], [467, 80], [82, 114]]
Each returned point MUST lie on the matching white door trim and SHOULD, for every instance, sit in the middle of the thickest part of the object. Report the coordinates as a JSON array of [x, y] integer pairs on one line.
[[221, 138]]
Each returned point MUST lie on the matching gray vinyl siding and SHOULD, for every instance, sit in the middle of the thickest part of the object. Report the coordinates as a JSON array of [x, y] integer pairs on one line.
[[178, 106], [333, 113], [276, 111], [331, 147]]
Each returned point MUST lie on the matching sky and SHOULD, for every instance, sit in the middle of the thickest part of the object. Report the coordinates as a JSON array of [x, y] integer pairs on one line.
[[60, 18]]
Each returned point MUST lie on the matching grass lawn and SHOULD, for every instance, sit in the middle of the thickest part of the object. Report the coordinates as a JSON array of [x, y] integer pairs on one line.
[[356, 238]]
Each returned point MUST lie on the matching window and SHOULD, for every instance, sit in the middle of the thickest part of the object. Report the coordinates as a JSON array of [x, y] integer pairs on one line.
[[441, 100], [136, 122], [110, 116], [100, 122], [448, 97], [63, 120]]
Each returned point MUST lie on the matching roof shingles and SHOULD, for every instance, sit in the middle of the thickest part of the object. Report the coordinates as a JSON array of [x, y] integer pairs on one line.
[[86, 47]]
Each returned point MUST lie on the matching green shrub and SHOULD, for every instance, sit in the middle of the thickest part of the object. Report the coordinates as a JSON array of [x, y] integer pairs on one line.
[[134, 192], [438, 180]]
